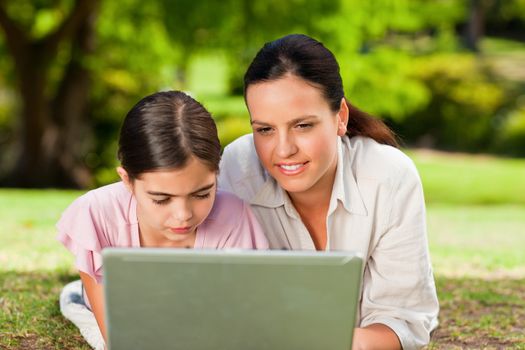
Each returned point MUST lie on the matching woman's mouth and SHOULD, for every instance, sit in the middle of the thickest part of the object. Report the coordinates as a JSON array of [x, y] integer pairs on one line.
[[291, 168]]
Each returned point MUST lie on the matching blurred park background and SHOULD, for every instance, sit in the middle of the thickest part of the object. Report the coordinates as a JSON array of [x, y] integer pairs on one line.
[[447, 75]]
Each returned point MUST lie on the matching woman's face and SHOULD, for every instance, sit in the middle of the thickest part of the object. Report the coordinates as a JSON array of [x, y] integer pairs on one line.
[[171, 204], [295, 133]]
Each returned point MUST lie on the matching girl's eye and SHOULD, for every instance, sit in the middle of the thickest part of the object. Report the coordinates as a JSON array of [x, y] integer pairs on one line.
[[264, 130], [202, 196], [161, 201]]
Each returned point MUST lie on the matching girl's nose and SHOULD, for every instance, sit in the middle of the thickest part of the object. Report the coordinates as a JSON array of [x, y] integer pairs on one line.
[[182, 211]]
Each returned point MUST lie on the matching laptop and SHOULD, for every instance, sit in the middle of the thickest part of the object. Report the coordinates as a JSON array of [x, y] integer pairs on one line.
[[230, 299]]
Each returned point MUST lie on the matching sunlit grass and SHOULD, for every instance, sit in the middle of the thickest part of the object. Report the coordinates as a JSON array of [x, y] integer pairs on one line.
[[470, 180], [482, 241], [476, 247]]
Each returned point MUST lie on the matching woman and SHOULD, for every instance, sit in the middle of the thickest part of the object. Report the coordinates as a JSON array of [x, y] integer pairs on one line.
[[320, 174], [169, 153]]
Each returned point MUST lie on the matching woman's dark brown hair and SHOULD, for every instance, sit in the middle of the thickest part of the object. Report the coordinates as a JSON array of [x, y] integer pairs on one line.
[[163, 131], [308, 59]]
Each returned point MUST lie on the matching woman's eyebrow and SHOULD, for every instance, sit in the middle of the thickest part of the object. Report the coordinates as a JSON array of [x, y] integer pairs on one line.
[[260, 123], [302, 119], [291, 122]]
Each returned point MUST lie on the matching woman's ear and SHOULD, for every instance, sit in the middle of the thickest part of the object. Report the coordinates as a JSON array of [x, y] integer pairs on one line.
[[342, 118], [123, 174]]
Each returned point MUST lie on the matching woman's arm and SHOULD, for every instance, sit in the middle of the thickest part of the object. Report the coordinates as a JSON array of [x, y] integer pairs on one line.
[[375, 336], [398, 285], [95, 295]]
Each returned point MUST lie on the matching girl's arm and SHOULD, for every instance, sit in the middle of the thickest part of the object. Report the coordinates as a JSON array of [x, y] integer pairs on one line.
[[95, 295], [375, 336]]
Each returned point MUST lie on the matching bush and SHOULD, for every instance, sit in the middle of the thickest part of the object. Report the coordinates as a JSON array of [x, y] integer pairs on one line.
[[465, 99], [511, 137]]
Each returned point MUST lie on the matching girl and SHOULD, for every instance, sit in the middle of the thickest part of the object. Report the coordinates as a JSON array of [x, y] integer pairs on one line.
[[169, 153], [319, 174]]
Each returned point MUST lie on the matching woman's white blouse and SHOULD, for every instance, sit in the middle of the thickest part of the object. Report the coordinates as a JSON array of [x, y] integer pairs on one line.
[[376, 208]]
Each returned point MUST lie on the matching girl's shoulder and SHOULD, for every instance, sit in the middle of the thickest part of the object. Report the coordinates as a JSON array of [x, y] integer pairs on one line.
[[106, 205], [226, 208], [232, 224]]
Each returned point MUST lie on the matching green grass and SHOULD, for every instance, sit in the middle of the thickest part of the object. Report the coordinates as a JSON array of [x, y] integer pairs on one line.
[[476, 246], [482, 241], [29, 313], [470, 180], [27, 235], [480, 314]]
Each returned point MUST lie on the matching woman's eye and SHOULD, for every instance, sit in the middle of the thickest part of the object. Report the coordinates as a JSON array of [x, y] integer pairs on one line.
[[264, 130], [202, 196], [304, 126], [161, 201]]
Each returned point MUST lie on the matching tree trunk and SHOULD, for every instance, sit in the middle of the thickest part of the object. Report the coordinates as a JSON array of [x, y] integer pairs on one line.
[[70, 111], [475, 25], [53, 129], [30, 167]]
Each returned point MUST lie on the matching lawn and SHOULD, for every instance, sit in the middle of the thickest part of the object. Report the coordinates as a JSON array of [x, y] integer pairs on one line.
[[476, 225]]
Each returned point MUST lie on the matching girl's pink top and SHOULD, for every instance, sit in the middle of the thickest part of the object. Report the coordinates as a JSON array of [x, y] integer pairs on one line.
[[107, 217]]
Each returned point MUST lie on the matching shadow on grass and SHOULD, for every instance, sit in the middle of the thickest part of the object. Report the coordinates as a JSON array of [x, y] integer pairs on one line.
[[475, 313], [480, 314]]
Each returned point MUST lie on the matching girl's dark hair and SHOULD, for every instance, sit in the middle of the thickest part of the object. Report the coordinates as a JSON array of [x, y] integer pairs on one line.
[[163, 131], [307, 58]]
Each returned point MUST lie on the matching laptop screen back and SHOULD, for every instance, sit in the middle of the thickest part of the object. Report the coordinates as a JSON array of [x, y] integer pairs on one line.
[[209, 299]]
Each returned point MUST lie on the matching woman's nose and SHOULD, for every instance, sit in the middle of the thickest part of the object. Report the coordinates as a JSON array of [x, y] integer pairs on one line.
[[286, 146]]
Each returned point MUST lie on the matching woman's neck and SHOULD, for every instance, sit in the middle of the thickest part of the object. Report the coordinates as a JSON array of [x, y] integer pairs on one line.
[[317, 197]]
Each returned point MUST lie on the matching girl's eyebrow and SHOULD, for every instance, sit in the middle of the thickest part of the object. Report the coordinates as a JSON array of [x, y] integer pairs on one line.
[[203, 188], [291, 122]]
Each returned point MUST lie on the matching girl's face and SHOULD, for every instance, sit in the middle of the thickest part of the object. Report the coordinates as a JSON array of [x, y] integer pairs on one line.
[[171, 204], [295, 133]]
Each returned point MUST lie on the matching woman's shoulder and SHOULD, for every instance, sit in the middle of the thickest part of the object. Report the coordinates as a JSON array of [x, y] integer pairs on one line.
[[371, 159], [241, 153], [240, 169]]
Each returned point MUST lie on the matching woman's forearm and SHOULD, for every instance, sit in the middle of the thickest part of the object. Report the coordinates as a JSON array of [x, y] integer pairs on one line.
[[375, 337]]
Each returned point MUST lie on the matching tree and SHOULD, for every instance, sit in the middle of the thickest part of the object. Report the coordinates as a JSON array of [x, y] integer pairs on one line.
[[52, 129]]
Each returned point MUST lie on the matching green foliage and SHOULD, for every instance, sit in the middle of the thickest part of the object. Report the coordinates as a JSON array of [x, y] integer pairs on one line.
[[39, 17], [400, 59], [380, 83], [464, 101], [232, 128], [511, 137]]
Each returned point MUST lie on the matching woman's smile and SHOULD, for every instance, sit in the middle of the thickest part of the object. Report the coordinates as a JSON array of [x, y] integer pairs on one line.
[[291, 169]]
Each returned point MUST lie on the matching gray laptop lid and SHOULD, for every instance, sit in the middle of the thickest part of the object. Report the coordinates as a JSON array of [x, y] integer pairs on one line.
[[211, 299]]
